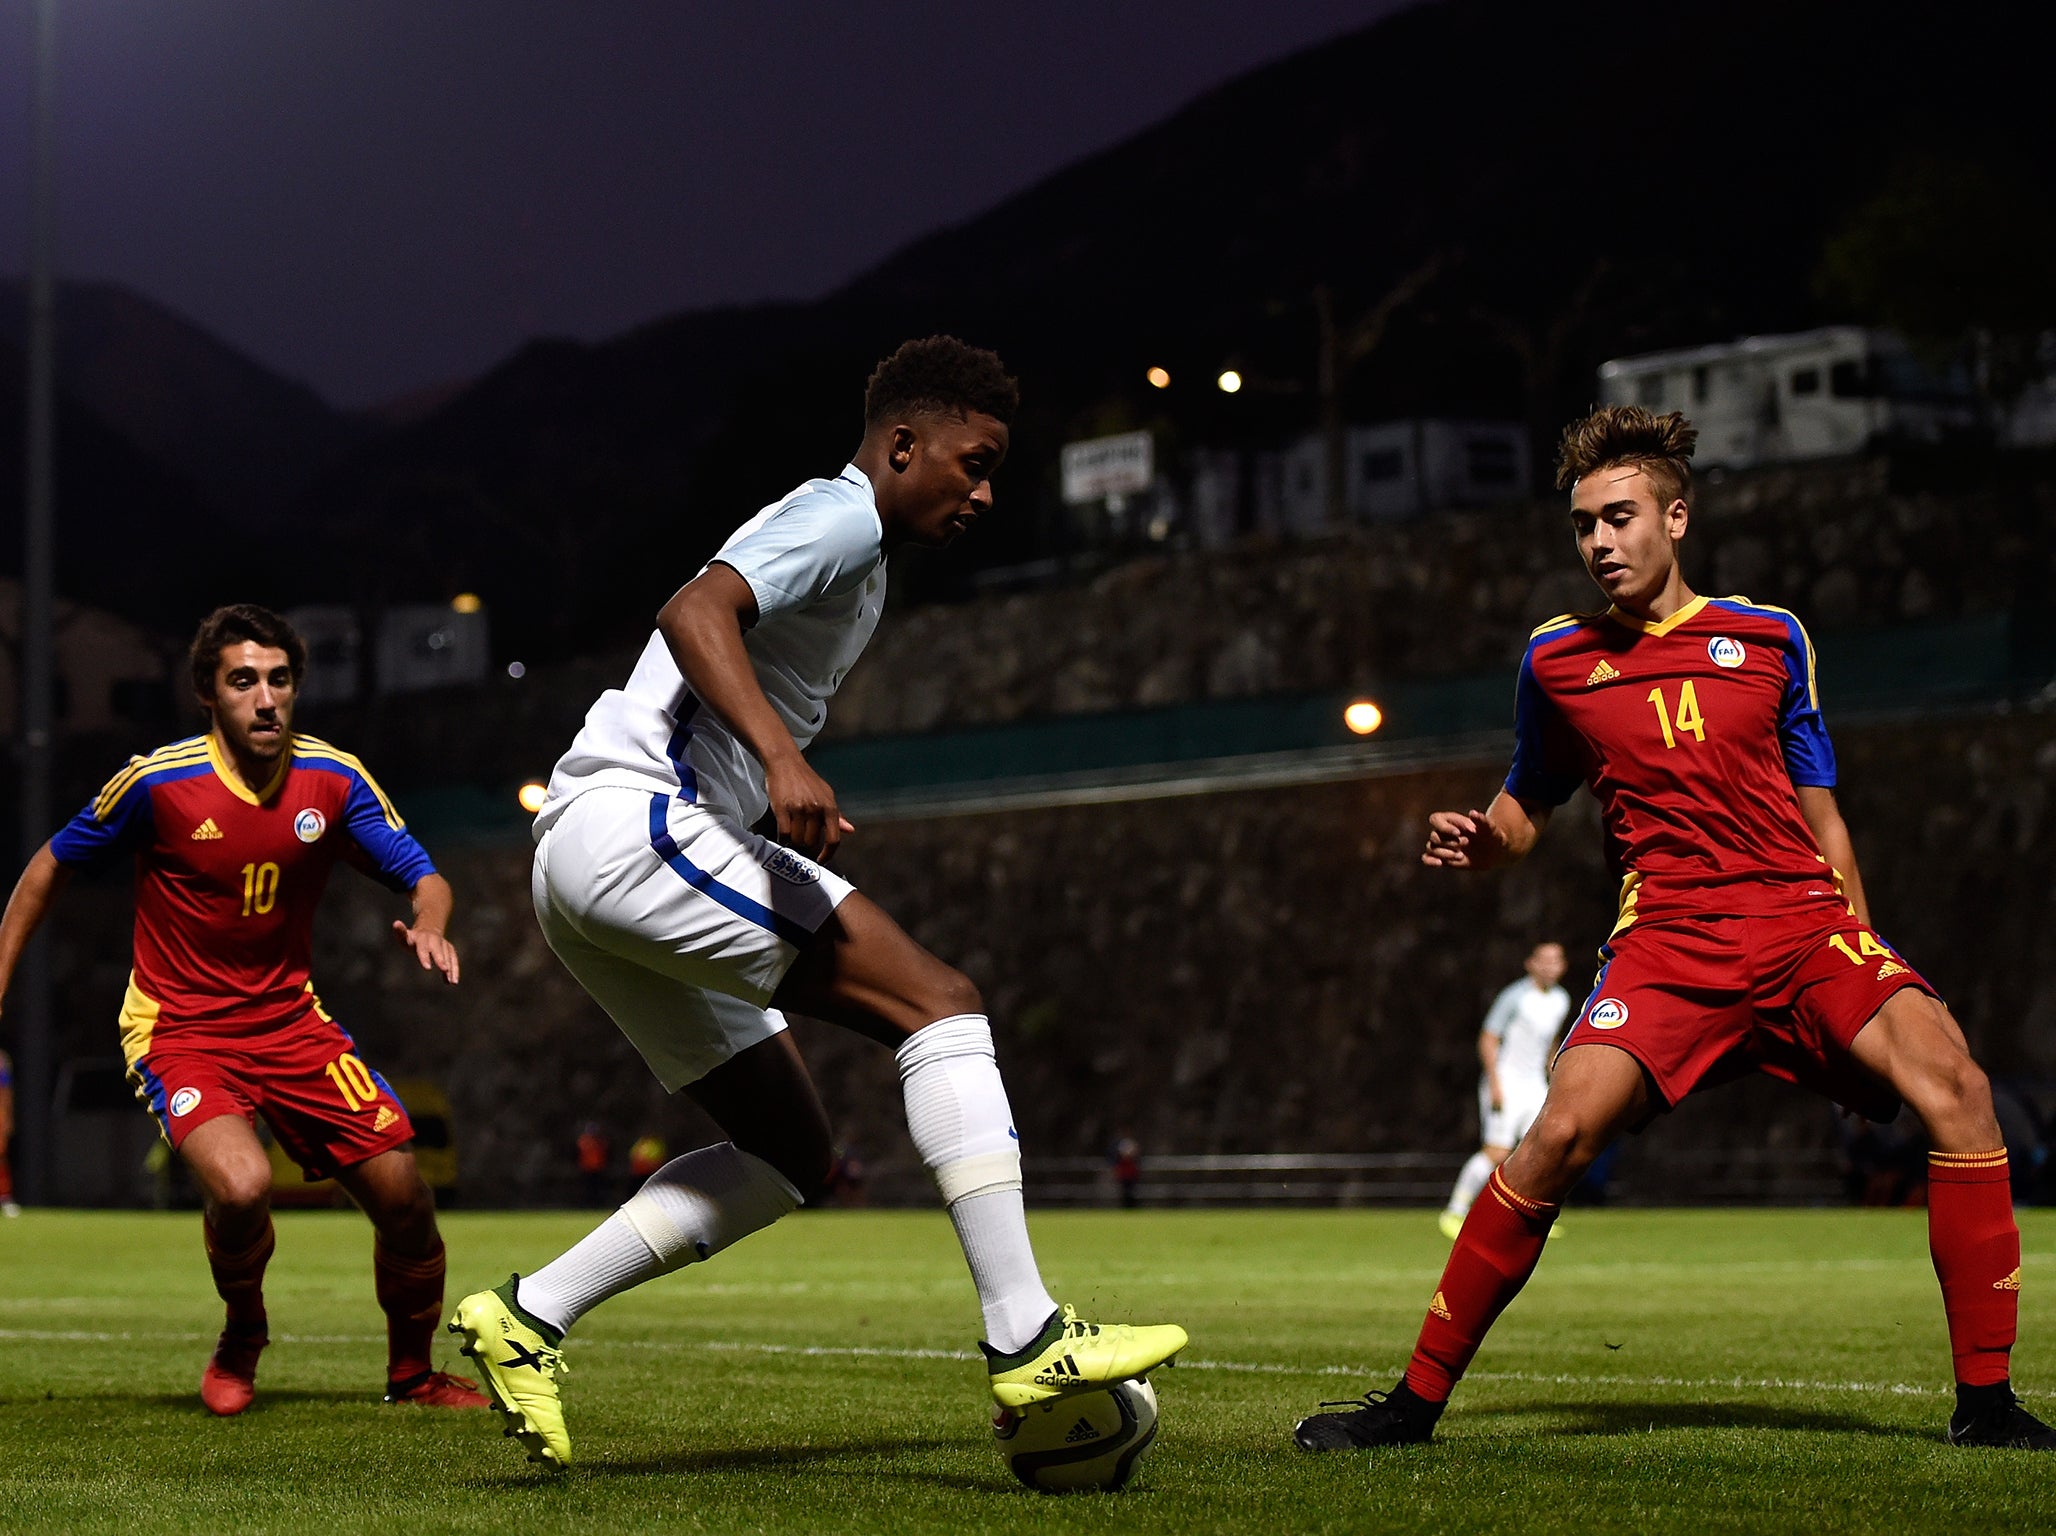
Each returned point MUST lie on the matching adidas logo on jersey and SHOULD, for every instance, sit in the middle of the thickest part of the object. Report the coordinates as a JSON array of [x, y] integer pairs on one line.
[[1439, 1307], [206, 832], [1890, 969], [2010, 1283], [384, 1118], [1082, 1430], [1605, 672]]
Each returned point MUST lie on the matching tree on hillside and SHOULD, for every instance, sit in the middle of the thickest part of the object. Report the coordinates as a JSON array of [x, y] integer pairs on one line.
[[1947, 249]]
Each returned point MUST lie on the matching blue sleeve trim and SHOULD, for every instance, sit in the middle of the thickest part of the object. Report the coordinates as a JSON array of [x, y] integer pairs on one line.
[[1533, 778], [374, 825]]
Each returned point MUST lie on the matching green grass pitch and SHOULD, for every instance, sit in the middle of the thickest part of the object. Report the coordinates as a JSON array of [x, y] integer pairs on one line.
[[1702, 1371]]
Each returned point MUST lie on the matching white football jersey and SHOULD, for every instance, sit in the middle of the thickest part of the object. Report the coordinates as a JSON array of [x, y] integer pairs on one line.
[[1526, 1022], [815, 563]]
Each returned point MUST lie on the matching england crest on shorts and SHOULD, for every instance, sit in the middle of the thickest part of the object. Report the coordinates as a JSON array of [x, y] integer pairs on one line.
[[791, 868]]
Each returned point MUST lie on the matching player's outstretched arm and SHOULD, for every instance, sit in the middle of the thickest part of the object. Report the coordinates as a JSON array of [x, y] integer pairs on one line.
[[428, 934], [33, 893], [1824, 815], [703, 627], [1500, 834]]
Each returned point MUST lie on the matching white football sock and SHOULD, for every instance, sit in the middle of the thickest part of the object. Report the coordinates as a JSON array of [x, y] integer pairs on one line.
[[688, 1210], [1470, 1183], [964, 1130]]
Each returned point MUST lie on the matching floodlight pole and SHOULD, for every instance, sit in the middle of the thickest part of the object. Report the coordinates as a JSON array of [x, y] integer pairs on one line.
[[31, 1002]]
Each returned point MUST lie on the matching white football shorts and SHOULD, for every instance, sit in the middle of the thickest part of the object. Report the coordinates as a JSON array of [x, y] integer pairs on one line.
[[1521, 1102], [679, 922]]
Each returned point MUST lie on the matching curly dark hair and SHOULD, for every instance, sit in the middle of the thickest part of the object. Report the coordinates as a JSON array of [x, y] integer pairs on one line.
[[1659, 446], [234, 624], [940, 376]]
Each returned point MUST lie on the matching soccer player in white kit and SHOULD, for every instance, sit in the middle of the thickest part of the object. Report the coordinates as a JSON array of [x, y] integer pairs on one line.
[[1514, 1046], [694, 932]]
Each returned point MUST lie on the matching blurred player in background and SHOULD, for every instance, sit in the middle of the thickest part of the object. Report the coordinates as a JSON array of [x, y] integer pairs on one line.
[[7, 1205], [1743, 942], [233, 834], [694, 931], [1514, 1047]]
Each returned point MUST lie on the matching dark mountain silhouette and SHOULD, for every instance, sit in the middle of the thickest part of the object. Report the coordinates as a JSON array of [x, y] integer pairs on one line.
[[1546, 184], [248, 441]]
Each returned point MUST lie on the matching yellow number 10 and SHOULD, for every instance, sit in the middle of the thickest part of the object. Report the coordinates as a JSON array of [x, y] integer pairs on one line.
[[260, 888], [1690, 721], [353, 1081]]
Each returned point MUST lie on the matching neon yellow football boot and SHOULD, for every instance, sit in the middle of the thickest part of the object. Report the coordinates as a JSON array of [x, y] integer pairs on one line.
[[1074, 1356], [520, 1360]]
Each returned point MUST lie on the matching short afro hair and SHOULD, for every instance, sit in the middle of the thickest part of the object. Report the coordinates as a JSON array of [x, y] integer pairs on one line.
[[940, 376], [1659, 446], [233, 625]]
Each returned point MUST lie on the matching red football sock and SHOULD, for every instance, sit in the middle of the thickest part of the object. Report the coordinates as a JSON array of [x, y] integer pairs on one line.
[[1976, 1248], [1494, 1255], [239, 1277], [410, 1291]]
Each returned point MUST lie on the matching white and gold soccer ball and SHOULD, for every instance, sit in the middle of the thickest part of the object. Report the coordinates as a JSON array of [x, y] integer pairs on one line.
[[1081, 1441]]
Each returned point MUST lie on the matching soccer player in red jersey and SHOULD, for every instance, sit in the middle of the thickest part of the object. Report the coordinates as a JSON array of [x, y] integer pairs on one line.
[[233, 834], [1744, 943]]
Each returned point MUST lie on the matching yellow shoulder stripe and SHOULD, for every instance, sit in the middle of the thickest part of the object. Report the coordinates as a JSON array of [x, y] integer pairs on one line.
[[1805, 643], [312, 746], [178, 755], [1561, 621]]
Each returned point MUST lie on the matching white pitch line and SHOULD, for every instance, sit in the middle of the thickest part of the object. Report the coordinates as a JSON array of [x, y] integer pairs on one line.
[[1236, 1367]]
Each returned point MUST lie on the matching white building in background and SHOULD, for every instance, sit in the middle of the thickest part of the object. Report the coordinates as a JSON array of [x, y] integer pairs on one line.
[[1393, 471], [1808, 395]]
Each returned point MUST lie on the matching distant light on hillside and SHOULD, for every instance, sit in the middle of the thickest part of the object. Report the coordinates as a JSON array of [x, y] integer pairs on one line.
[[516, 670], [1230, 381], [532, 796], [1363, 717], [1159, 378], [466, 602]]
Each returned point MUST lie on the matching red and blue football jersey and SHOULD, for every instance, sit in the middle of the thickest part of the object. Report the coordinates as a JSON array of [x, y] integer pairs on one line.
[[227, 880], [1693, 734]]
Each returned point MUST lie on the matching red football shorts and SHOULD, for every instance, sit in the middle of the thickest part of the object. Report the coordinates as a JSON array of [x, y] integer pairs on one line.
[[325, 1107], [1702, 1000]]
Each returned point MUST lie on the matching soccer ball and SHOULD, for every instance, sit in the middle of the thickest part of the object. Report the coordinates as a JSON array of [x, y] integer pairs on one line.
[[1084, 1440]]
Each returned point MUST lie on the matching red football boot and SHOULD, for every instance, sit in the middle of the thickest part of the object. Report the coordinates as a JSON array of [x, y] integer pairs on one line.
[[230, 1380], [438, 1389]]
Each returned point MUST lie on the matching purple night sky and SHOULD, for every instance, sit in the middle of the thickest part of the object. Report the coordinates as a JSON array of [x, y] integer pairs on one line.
[[380, 195]]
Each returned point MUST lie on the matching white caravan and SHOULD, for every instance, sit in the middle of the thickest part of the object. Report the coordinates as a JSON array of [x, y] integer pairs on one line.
[[1809, 395]]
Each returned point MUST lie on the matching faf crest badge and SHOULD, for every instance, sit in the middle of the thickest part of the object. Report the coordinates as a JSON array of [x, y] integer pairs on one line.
[[1608, 1013]]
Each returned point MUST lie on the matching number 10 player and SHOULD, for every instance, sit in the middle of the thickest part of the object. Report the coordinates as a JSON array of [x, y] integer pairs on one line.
[[233, 834], [1743, 941]]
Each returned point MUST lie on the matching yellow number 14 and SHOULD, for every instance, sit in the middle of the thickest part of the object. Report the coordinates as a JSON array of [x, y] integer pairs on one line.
[[1690, 721]]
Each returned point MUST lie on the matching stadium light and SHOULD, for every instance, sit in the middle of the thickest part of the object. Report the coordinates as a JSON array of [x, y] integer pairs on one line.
[[1159, 378], [466, 602], [1363, 717], [532, 795], [1230, 382]]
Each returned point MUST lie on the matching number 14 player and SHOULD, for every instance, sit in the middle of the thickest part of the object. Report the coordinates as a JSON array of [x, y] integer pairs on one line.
[[1743, 941]]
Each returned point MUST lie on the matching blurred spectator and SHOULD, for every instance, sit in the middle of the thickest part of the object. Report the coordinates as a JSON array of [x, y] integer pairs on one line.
[[1883, 1164], [1125, 1160], [646, 1156], [845, 1182], [593, 1151], [7, 1205], [2025, 1137]]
